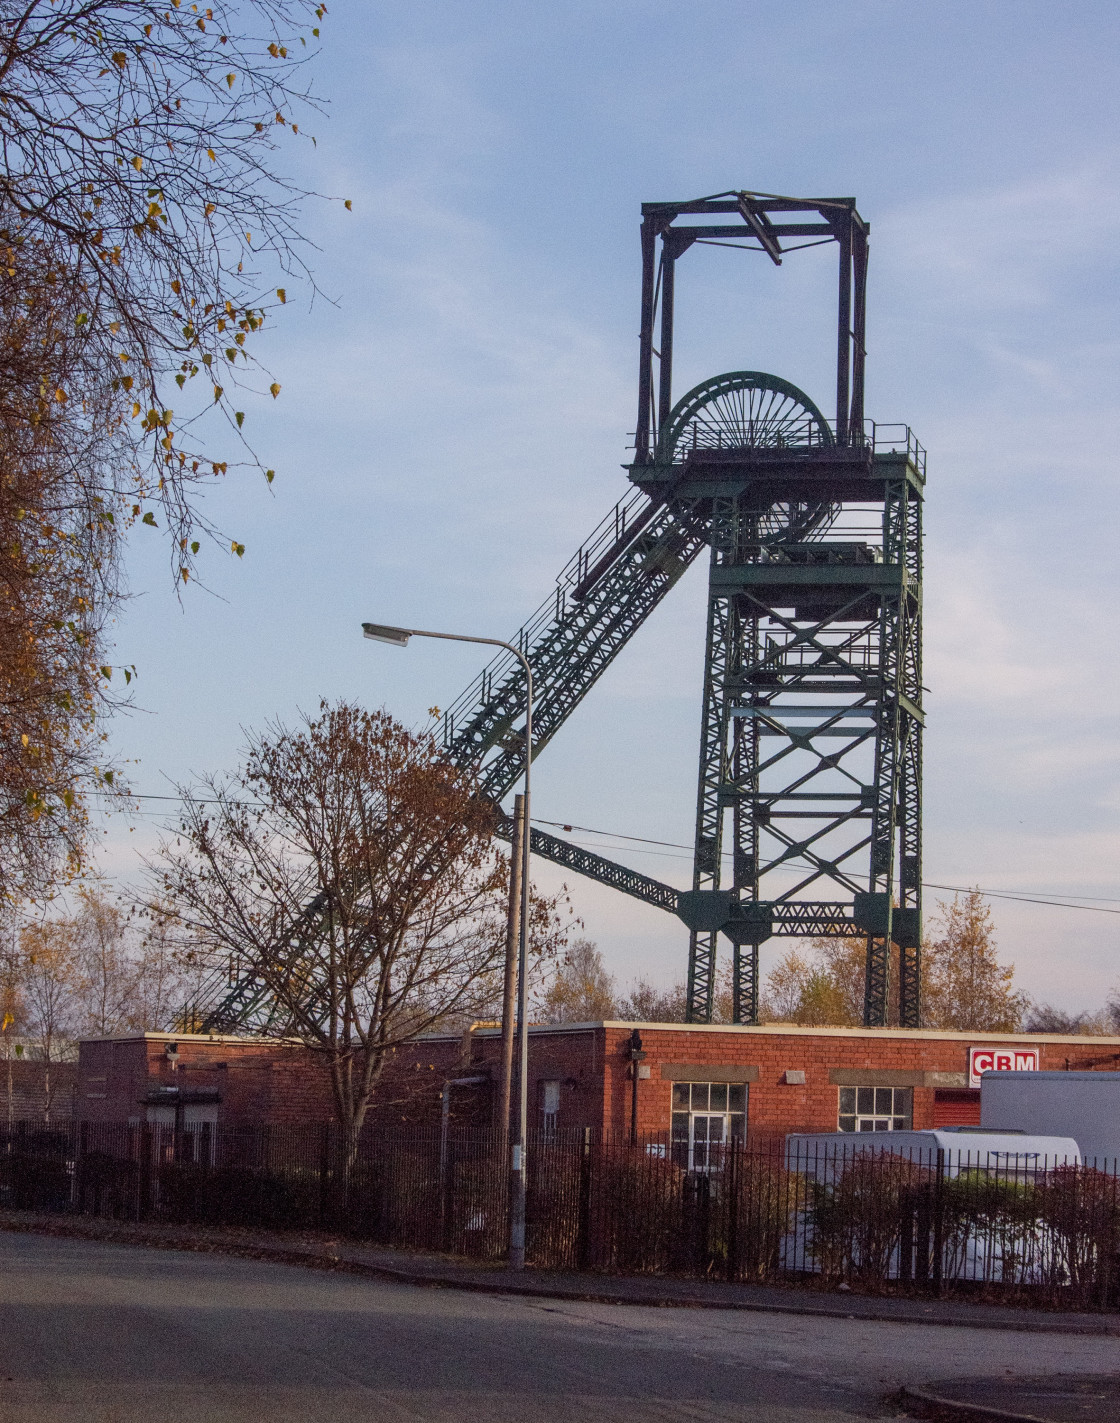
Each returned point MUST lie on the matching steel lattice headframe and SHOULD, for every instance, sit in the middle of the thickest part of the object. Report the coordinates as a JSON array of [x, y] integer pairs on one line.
[[810, 752]]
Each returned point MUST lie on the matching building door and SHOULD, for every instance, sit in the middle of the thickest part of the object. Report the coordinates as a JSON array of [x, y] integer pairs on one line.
[[956, 1108], [707, 1141]]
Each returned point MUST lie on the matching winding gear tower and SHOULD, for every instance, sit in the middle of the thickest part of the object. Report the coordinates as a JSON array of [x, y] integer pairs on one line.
[[810, 746], [810, 751]]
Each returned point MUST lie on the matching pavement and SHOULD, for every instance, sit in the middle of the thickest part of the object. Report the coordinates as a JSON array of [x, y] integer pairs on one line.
[[323, 1251], [111, 1333], [1047, 1398]]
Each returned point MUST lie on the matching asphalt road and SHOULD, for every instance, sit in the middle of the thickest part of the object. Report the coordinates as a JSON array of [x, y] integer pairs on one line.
[[94, 1333]]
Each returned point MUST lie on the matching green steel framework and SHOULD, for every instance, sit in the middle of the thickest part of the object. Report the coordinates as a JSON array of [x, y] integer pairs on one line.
[[810, 756]]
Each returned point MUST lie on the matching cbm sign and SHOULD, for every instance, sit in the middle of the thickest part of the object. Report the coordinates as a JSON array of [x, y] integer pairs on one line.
[[1000, 1059]]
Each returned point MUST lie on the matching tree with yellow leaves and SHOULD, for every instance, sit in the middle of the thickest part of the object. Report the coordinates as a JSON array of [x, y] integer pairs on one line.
[[965, 986], [146, 234]]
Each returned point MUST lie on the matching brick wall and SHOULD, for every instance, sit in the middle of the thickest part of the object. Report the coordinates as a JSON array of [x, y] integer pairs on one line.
[[258, 1082], [270, 1083], [926, 1061], [30, 1099], [592, 1063]]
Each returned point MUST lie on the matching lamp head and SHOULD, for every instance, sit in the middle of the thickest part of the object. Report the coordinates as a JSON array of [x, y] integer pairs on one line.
[[395, 637]]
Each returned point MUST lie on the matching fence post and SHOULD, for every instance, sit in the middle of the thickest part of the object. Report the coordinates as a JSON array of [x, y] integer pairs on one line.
[[324, 1174], [938, 1222], [703, 1222], [80, 1166], [906, 1235], [583, 1241], [446, 1188], [923, 1232], [1109, 1255], [144, 1194], [732, 1174]]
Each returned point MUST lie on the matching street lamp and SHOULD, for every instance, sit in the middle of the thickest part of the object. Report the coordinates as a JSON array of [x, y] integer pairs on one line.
[[398, 637]]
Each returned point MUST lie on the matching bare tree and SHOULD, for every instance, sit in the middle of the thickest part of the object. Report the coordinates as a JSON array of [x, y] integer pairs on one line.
[[106, 970], [1045, 1018], [819, 985], [12, 1015], [130, 973], [169, 969], [58, 577], [136, 148], [785, 987], [48, 978], [352, 872], [647, 1004]]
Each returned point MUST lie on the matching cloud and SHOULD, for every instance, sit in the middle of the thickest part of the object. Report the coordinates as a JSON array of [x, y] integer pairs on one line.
[[1009, 246]]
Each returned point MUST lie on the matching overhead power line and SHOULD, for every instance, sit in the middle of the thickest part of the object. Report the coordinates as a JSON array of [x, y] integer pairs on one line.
[[1028, 897], [1021, 897]]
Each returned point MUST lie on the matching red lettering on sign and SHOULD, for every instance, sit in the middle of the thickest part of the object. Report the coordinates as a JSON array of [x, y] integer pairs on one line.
[[982, 1059]]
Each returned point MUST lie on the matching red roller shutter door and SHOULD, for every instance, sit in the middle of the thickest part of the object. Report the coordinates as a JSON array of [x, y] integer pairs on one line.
[[952, 1108]]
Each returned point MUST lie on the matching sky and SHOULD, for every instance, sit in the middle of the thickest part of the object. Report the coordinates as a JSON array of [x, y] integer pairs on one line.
[[458, 397]]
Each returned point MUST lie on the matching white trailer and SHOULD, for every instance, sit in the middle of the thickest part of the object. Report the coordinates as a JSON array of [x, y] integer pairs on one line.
[[1084, 1105]]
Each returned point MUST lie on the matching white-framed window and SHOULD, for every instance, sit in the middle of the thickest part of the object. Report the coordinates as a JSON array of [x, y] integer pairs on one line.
[[550, 1107], [706, 1116], [876, 1109]]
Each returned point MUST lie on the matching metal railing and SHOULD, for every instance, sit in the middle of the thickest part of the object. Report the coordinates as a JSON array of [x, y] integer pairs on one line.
[[626, 519], [609, 533], [876, 1217], [797, 434]]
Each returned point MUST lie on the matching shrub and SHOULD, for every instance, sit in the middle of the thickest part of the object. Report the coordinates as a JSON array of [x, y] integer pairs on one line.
[[1079, 1208], [759, 1202], [231, 1195], [856, 1219], [641, 1211], [30, 1182], [989, 1219]]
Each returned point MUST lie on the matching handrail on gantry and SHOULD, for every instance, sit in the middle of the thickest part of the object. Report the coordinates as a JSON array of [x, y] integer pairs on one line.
[[626, 518], [603, 595]]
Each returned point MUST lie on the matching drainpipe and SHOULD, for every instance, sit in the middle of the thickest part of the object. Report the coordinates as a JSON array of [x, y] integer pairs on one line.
[[468, 1037]]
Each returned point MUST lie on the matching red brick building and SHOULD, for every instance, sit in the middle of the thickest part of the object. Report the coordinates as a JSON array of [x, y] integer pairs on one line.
[[186, 1080], [703, 1082]]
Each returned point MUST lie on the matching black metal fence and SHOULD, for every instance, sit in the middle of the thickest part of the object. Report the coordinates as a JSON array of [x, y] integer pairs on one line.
[[874, 1217]]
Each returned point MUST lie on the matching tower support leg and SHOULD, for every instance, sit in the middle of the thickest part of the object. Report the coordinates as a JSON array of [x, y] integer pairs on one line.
[[701, 977], [877, 985], [744, 986], [909, 987]]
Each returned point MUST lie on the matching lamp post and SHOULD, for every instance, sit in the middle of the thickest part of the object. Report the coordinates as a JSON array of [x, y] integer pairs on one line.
[[637, 1057], [398, 637]]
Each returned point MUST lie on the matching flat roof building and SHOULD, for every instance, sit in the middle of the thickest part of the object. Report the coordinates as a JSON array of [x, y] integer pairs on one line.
[[703, 1082]]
